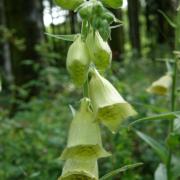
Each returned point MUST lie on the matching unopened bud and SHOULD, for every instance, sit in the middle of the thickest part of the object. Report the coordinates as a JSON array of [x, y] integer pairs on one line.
[[113, 3], [69, 4], [78, 61], [99, 51]]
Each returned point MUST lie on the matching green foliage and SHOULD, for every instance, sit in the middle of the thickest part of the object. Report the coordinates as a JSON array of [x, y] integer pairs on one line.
[[155, 145], [117, 171]]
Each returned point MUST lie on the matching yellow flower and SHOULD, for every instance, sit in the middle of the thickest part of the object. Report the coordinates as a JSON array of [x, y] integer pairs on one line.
[[78, 61], [80, 168], [161, 86], [99, 51], [69, 4], [84, 135], [110, 108]]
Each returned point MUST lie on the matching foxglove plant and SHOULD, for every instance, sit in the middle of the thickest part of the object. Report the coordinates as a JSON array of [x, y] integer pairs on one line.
[[169, 167], [88, 58]]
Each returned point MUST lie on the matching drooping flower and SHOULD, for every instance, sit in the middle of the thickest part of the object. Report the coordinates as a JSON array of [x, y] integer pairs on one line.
[[80, 168], [69, 4], [113, 3], [78, 61], [84, 135], [99, 51], [110, 108], [161, 86]]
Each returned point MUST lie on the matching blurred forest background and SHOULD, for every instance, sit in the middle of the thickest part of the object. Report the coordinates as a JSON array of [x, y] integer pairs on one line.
[[36, 88]]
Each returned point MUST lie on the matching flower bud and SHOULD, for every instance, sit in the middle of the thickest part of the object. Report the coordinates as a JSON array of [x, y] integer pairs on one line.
[[78, 61], [99, 51], [69, 4], [84, 169], [84, 135], [110, 108], [86, 11], [113, 3], [161, 86]]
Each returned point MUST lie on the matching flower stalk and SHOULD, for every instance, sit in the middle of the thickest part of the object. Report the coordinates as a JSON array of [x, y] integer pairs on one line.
[[101, 102], [174, 90], [171, 123]]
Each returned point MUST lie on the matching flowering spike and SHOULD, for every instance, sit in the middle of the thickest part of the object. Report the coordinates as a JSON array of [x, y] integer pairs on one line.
[[110, 108], [161, 86], [81, 168], [84, 136], [69, 4], [99, 51], [78, 61]]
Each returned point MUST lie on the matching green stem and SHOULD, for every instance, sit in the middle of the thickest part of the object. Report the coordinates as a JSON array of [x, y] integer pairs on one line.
[[171, 123], [84, 29]]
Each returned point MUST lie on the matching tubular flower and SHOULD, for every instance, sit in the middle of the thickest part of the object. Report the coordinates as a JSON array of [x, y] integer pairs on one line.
[[113, 3], [161, 86], [110, 108], [99, 51], [69, 4], [84, 135], [84, 169], [78, 61]]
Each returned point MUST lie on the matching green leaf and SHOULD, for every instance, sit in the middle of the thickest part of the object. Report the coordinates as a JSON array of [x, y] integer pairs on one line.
[[155, 145], [70, 37], [117, 171], [173, 140], [165, 116], [171, 23], [160, 173]]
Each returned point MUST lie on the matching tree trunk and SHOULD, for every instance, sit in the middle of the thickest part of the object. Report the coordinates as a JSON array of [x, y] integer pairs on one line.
[[26, 18], [133, 14], [72, 16], [5, 57], [117, 41], [165, 31], [177, 41]]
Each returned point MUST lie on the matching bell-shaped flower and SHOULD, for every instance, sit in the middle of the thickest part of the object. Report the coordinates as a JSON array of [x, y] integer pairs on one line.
[[110, 108], [99, 51], [162, 86], [69, 4], [78, 61], [80, 168], [113, 3], [84, 135]]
